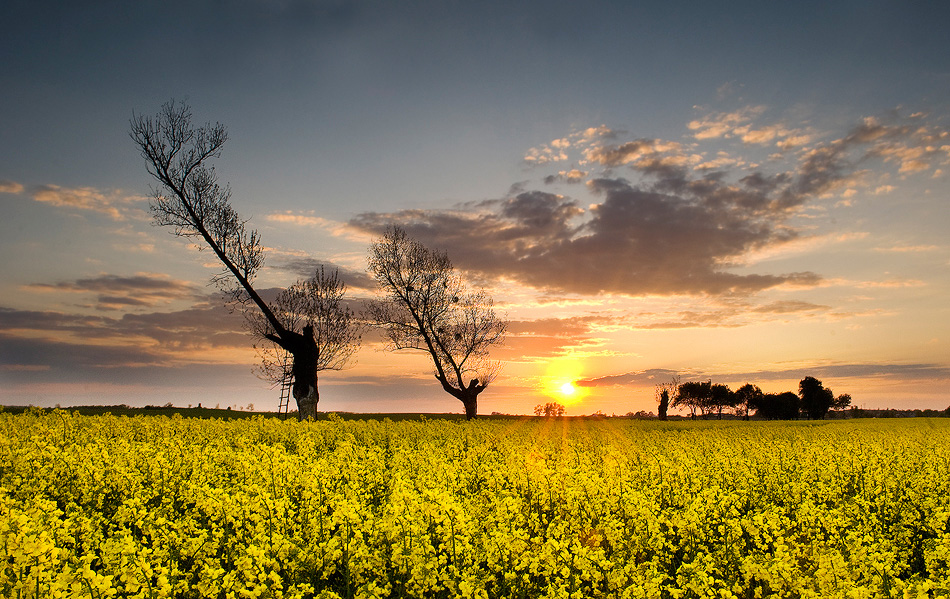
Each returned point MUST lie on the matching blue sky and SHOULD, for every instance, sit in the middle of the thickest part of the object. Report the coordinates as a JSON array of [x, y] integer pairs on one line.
[[605, 135]]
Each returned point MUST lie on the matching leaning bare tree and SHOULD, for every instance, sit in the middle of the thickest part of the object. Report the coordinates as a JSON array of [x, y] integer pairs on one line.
[[190, 199], [317, 307], [427, 307]]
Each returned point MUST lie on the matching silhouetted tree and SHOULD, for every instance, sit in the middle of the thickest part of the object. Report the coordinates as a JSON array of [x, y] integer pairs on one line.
[[720, 396], [427, 307], [316, 306], [549, 409], [663, 393], [816, 400], [190, 200], [692, 395], [842, 402], [776, 406], [747, 397]]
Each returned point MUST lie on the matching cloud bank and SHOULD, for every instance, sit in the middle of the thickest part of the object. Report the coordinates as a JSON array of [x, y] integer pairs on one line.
[[665, 218]]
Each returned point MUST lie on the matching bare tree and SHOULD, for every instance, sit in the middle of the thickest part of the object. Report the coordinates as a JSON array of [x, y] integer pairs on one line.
[[190, 199], [427, 307], [316, 304]]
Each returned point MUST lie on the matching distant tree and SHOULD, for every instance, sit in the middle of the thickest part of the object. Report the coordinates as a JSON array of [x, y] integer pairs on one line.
[[842, 402], [776, 406], [427, 307], [189, 199], [816, 400], [316, 304], [747, 397], [692, 395], [663, 392], [549, 409], [640, 415], [720, 396]]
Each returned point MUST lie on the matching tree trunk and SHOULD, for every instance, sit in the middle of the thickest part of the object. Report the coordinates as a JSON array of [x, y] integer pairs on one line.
[[305, 366], [307, 404], [471, 407]]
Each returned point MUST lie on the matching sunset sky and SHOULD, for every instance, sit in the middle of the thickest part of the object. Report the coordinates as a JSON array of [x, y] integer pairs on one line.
[[746, 194]]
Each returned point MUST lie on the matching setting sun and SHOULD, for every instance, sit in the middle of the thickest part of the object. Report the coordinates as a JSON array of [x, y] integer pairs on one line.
[[559, 379]]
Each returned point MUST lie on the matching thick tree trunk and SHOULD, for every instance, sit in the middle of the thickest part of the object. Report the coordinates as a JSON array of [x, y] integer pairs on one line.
[[471, 407], [307, 404], [306, 391]]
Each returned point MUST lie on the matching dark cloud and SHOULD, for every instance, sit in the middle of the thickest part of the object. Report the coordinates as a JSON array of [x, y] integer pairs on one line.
[[917, 372], [897, 372], [636, 241], [653, 376], [675, 229], [115, 292], [74, 341]]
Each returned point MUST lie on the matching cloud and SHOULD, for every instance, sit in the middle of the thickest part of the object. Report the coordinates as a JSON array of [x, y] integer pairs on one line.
[[572, 176], [789, 307], [635, 242], [116, 292], [307, 219], [919, 372], [113, 204], [305, 267], [904, 249], [722, 124], [640, 151], [203, 333], [665, 219], [915, 372], [10, 186], [551, 152], [653, 376]]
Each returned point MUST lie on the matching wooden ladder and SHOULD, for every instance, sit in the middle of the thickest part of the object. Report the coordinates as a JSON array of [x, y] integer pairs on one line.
[[285, 392]]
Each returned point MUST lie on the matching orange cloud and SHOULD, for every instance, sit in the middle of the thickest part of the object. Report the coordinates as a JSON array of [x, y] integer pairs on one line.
[[113, 204]]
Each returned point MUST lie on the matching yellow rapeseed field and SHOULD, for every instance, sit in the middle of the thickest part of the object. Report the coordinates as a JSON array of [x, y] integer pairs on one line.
[[153, 507]]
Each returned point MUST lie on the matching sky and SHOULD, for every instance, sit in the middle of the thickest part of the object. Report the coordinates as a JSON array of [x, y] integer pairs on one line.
[[742, 192]]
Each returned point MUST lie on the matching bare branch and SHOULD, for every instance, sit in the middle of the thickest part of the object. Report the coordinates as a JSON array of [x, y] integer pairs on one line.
[[319, 303], [178, 155]]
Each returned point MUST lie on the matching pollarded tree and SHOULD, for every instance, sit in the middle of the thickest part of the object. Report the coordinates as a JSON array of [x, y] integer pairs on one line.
[[426, 307], [190, 200], [315, 306]]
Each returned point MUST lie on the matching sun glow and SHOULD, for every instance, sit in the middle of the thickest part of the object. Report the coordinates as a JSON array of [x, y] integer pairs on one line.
[[559, 381]]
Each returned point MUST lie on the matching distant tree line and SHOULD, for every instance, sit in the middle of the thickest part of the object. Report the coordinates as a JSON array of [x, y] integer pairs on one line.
[[705, 398], [549, 409]]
